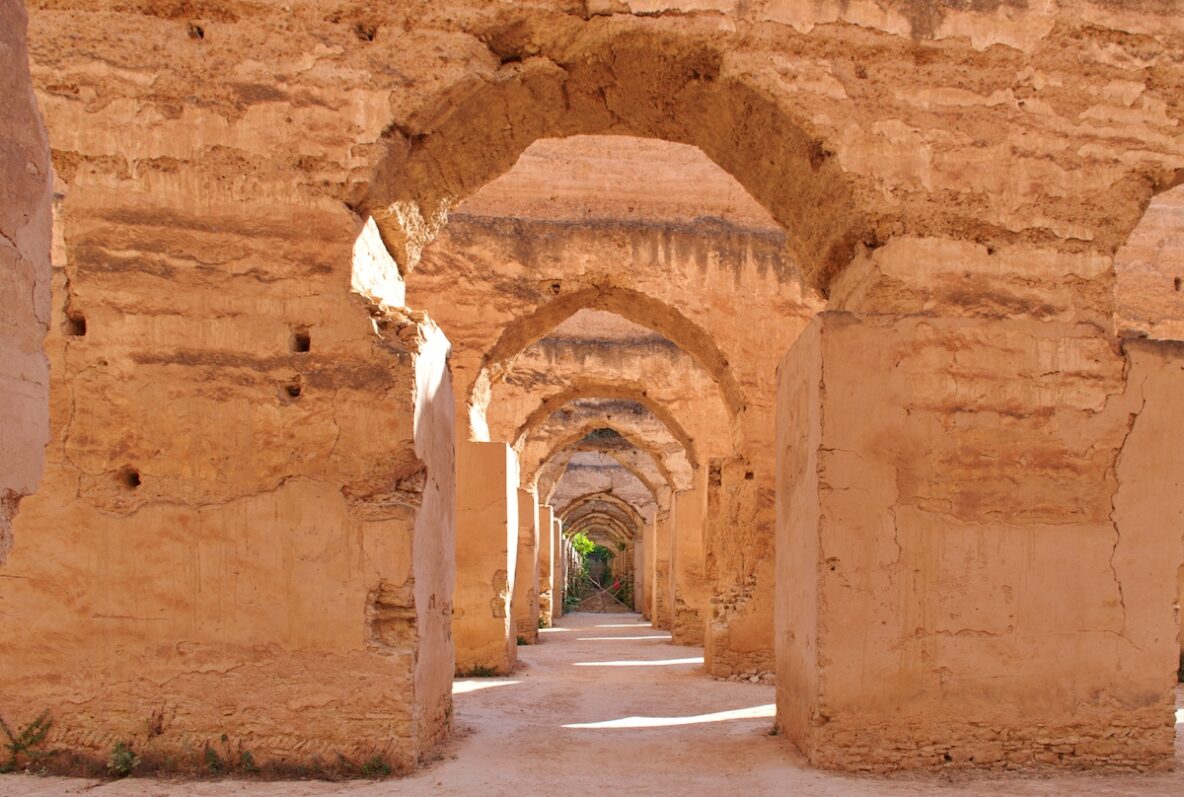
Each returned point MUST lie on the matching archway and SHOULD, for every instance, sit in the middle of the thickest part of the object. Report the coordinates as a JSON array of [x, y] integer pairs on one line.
[[623, 81]]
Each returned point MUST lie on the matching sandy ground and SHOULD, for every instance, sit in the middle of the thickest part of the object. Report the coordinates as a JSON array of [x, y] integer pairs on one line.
[[606, 705]]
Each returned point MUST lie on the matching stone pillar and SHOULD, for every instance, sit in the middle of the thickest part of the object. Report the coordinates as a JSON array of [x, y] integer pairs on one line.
[[977, 544], [661, 569], [688, 577], [526, 573], [559, 565], [546, 566], [25, 232], [647, 571], [486, 553], [640, 582]]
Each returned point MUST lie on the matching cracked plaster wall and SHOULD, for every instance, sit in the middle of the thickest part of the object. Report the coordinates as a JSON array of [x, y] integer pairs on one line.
[[992, 528], [982, 154]]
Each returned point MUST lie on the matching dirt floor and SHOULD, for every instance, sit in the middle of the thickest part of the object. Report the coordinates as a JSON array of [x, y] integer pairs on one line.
[[605, 704]]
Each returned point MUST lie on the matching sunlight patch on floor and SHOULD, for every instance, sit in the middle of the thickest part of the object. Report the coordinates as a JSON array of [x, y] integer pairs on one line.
[[620, 638], [766, 711], [657, 663], [463, 686], [622, 625], [1180, 716]]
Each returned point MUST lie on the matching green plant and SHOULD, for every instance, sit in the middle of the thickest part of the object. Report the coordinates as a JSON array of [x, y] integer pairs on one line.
[[480, 671], [213, 761], [582, 545], [523, 640], [600, 553], [246, 761], [122, 760], [25, 741], [376, 768]]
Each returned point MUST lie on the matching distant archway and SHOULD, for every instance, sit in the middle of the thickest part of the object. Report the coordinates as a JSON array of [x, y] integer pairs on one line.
[[637, 307]]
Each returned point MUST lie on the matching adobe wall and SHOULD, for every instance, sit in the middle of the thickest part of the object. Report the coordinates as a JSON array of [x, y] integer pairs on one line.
[[966, 161], [661, 592], [691, 590], [487, 533], [526, 571], [25, 232], [1149, 272], [559, 552], [933, 520], [248, 492], [254, 528], [547, 567]]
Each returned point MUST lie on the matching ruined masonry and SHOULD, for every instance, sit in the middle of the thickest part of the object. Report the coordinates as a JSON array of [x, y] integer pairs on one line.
[[346, 349]]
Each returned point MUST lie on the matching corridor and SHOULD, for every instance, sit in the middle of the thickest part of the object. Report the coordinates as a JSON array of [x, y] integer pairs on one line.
[[605, 704]]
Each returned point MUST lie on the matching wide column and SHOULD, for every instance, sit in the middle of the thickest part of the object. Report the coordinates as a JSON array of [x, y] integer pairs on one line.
[[546, 565], [526, 580], [486, 553], [688, 577], [977, 544]]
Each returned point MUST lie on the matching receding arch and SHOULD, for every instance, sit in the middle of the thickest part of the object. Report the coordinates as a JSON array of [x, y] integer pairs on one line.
[[605, 390], [571, 442], [596, 471], [609, 76], [531, 470], [601, 513], [634, 306], [570, 513]]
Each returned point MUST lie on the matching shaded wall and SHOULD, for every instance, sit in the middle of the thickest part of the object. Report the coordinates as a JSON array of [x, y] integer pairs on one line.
[[247, 465], [25, 231]]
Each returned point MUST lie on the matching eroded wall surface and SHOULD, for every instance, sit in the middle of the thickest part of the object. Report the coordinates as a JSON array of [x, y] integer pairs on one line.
[[1149, 272], [972, 163], [989, 470], [25, 232], [239, 542], [526, 572]]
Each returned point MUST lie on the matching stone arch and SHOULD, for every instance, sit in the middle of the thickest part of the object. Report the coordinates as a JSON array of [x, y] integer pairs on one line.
[[600, 512], [603, 390], [637, 307], [570, 513], [531, 471], [604, 473], [610, 77]]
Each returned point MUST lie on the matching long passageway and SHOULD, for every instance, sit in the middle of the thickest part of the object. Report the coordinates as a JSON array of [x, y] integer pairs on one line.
[[606, 704]]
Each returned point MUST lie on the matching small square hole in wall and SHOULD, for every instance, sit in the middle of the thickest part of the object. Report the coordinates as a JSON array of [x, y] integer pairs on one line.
[[290, 391], [75, 325], [129, 478], [301, 341], [1178, 282]]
